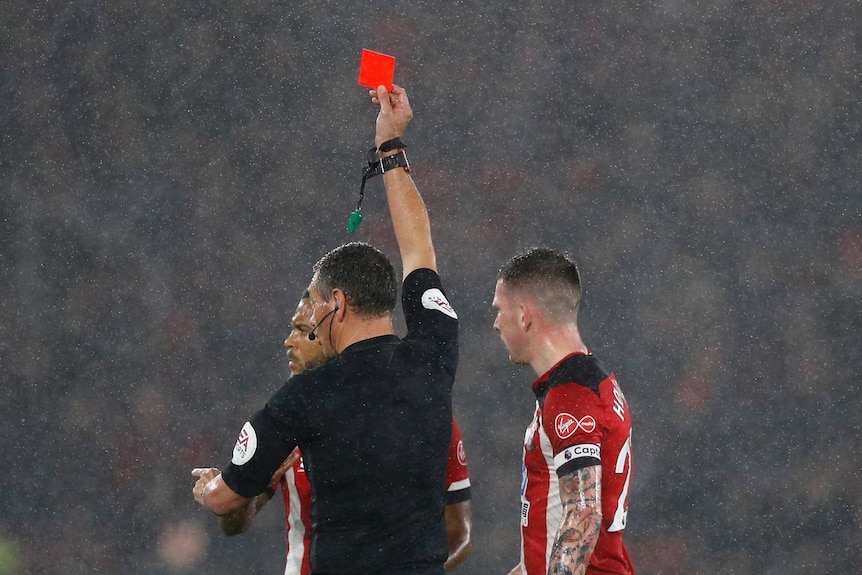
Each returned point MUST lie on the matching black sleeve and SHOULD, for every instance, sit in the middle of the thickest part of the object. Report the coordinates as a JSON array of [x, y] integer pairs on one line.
[[428, 313], [265, 442], [453, 497]]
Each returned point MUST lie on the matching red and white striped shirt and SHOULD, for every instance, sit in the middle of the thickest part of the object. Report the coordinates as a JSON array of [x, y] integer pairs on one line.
[[296, 492], [581, 419]]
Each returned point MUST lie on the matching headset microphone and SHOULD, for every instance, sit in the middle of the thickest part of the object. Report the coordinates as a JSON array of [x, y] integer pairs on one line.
[[311, 334]]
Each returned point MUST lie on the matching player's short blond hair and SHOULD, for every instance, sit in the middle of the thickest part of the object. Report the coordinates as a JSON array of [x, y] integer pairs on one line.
[[548, 276]]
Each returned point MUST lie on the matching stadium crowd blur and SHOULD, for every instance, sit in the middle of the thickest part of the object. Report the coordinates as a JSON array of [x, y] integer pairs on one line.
[[171, 171]]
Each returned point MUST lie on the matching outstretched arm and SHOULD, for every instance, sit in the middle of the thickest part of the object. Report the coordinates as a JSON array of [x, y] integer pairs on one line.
[[581, 492], [236, 513], [240, 521], [409, 215], [214, 494]]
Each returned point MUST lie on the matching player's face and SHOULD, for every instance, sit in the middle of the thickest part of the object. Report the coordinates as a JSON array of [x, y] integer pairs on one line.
[[508, 322], [303, 353]]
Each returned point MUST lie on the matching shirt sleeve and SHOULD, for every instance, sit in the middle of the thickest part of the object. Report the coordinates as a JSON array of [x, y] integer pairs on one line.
[[572, 420], [428, 314], [457, 476], [266, 440]]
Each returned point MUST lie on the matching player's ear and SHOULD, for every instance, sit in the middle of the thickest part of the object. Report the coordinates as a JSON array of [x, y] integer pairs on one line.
[[525, 316]]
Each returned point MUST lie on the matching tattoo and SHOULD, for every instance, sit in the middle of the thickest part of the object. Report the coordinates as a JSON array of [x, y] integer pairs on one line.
[[581, 493]]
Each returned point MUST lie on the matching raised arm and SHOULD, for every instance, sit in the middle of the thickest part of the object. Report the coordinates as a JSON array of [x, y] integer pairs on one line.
[[581, 492], [409, 215]]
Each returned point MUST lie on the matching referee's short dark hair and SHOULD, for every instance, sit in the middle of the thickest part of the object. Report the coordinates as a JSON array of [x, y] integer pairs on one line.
[[364, 274], [549, 275]]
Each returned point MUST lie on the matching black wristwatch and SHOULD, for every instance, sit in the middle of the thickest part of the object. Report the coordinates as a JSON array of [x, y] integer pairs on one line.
[[398, 160]]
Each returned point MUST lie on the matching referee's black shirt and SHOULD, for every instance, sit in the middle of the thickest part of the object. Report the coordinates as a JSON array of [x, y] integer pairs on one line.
[[374, 426]]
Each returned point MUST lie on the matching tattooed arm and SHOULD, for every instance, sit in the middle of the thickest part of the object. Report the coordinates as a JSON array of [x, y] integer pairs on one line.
[[581, 492]]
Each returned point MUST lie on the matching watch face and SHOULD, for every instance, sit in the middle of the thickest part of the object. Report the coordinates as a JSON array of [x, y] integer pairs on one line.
[[399, 160]]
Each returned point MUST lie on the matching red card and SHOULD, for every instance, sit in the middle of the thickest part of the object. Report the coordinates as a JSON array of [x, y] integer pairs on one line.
[[376, 69]]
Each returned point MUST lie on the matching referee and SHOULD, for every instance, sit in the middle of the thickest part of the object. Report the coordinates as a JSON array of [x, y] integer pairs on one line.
[[375, 421]]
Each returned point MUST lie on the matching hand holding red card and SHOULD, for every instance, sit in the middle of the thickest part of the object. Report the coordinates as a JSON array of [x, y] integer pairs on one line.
[[376, 69]]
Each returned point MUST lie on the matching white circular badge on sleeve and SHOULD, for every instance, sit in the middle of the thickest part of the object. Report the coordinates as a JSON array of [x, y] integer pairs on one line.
[[434, 299], [246, 445]]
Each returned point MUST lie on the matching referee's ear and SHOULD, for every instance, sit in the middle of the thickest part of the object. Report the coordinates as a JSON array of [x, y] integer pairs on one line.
[[340, 307]]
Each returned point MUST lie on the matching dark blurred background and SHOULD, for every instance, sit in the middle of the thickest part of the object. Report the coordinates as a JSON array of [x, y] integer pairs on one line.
[[171, 171]]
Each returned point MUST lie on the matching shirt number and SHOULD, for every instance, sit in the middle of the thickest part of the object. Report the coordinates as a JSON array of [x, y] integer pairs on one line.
[[619, 522]]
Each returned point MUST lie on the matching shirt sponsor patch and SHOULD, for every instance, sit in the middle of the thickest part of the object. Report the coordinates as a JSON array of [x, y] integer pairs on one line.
[[566, 424], [246, 445], [434, 299], [587, 423]]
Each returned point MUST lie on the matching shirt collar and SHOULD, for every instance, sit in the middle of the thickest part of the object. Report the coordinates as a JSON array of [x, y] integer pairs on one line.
[[540, 386], [371, 342]]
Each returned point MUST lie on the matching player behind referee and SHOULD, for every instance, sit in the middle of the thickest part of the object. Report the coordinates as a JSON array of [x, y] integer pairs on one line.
[[304, 353], [373, 423]]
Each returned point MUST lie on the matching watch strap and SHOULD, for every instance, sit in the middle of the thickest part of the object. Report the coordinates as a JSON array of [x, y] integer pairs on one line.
[[393, 144]]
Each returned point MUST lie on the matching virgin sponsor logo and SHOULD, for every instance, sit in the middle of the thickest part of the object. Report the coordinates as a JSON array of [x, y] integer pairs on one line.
[[462, 455], [434, 299], [567, 424], [587, 423], [246, 445]]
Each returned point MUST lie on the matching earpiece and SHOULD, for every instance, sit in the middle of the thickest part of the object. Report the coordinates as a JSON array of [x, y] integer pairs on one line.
[[311, 335]]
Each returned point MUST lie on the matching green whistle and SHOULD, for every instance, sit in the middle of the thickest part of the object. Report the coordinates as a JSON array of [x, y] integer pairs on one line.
[[355, 220]]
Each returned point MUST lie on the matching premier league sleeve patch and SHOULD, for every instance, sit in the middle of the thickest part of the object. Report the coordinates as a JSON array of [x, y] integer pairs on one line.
[[246, 445], [435, 300]]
